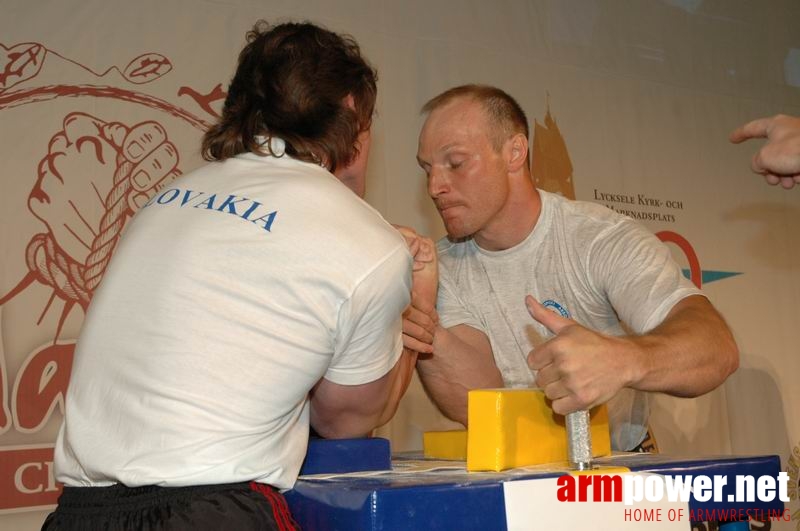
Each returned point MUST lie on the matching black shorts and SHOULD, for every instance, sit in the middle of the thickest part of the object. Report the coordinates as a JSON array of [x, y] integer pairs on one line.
[[239, 506]]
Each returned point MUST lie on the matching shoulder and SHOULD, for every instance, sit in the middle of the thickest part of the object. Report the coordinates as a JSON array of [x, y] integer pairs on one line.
[[584, 221], [338, 217], [320, 212], [577, 211]]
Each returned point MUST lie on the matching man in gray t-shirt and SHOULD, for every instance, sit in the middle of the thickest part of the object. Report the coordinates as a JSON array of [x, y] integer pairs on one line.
[[587, 271]]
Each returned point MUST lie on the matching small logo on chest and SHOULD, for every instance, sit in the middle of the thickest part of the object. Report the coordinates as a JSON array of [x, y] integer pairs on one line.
[[554, 306]]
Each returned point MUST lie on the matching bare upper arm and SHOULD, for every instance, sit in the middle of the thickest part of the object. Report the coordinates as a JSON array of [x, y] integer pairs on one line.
[[698, 303], [694, 310], [343, 411]]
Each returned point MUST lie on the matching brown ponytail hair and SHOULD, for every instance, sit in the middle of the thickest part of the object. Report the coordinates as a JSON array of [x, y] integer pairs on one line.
[[291, 82]]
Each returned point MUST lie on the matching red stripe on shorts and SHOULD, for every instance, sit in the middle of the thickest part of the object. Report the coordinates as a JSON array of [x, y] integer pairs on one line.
[[279, 508]]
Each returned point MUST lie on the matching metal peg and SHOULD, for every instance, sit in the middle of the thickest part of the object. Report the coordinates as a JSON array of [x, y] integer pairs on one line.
[[579, 440]]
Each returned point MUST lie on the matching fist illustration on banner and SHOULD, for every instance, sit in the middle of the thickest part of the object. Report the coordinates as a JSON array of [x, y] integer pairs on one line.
[[95, 175]]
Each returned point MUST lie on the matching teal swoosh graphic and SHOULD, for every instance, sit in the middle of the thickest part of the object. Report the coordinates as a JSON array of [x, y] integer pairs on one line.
[[711, 276]]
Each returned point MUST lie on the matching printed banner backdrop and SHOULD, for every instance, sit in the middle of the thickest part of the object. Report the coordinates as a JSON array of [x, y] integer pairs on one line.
[[104, 102]]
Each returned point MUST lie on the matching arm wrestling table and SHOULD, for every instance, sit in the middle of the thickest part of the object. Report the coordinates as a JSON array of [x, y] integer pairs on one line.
[[430, 495]]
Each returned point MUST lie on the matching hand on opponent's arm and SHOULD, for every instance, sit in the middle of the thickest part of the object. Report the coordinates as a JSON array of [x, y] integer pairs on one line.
[[420, 318]]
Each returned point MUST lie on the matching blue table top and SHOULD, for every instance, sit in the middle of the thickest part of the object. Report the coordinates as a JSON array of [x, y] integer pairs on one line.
[[433, 495]]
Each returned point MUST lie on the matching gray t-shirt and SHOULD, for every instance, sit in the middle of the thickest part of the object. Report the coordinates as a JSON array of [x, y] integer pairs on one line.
[[582, 260]]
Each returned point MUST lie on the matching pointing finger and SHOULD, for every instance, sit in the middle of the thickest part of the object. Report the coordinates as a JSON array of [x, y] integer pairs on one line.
[[756, 129]]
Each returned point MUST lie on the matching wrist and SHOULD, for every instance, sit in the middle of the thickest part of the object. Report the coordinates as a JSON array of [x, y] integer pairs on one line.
[[637, 360], [439, 335]]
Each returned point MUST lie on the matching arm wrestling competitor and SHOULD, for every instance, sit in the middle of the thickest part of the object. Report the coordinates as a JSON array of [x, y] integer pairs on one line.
[[584, 268], [248, 300]]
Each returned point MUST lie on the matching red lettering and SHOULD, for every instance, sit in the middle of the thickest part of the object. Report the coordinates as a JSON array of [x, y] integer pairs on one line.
[[607, 488], [27, 478], [584, 482], [646, 515], [5, 417], [42, 384], [566, 488]]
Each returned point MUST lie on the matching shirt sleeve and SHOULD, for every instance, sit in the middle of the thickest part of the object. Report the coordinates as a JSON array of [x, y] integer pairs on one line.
[[368, 340], [451, 308], [638, 275]]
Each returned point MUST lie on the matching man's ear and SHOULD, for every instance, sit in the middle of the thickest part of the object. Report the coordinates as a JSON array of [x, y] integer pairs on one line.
[[349, 101], [517, 152]]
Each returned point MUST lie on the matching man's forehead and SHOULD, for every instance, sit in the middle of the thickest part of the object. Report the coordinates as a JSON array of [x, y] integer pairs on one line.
[[459, 110], [447, 127], [443, 140]]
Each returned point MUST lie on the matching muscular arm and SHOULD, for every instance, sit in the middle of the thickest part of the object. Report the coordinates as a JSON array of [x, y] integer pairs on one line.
[[459, 358], [462, 360], [690, 353], [344, 411], [452, 360]]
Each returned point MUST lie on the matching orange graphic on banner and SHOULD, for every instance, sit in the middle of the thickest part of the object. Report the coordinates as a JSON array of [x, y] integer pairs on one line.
[[27, 478], [96, 173], [130, 165], [550, 165], [695, 273], [21, 62]]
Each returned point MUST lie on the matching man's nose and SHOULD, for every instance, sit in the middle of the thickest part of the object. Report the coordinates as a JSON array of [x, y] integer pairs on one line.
[[437, 182]]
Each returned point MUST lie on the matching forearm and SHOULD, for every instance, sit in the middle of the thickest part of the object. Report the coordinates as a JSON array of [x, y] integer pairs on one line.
[[403, 372], [691, 353], [456, 367]]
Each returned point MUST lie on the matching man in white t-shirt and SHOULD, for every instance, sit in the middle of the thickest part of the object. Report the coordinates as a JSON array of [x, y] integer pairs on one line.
[[248, 300], [584, 269]]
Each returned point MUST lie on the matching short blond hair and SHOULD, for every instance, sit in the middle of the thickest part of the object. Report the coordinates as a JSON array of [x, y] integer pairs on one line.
[[506, 116]]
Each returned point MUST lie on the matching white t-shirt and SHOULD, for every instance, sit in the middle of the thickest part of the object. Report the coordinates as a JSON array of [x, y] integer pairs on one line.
[[582, 260], [230, 295]]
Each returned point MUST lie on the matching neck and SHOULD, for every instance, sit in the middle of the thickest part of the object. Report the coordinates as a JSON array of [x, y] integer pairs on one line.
[[515, 221]]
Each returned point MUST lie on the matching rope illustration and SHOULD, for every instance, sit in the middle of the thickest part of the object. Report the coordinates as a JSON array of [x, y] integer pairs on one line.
[[51, 266], [117, 210], [72, 281]]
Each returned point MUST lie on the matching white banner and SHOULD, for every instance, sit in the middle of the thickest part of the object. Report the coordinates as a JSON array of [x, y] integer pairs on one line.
[[641, 97]]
